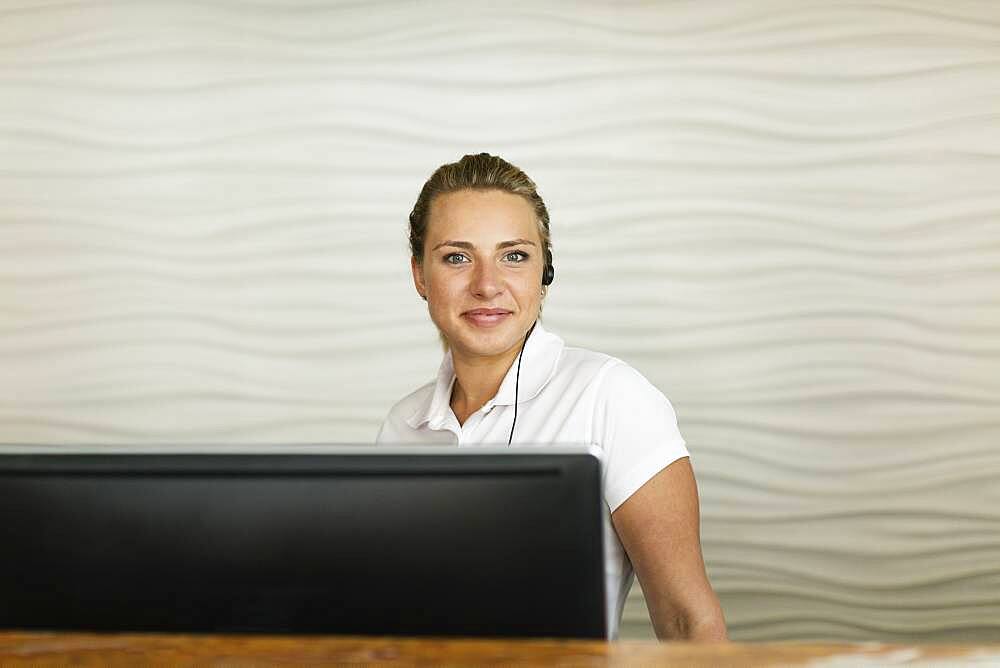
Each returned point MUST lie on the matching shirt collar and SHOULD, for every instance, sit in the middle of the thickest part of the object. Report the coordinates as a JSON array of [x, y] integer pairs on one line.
[[538, 365]]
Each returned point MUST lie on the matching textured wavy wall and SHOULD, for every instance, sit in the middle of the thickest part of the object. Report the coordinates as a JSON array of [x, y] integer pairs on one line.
[[784, 213]]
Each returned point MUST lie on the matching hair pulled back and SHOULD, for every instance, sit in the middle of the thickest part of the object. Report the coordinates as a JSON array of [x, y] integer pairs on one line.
[[480, 171]]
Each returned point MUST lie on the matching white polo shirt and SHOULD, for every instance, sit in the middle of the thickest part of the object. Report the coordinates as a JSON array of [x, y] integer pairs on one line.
[[567, 396]]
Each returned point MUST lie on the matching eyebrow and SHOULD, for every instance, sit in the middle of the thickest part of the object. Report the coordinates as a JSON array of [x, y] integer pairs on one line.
[[468, 246]]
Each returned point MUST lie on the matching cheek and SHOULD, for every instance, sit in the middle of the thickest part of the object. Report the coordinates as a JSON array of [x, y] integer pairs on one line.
[[442, 288], [530, 286]]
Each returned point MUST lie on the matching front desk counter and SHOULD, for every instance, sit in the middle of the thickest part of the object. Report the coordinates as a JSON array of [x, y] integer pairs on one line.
[[78, 649]]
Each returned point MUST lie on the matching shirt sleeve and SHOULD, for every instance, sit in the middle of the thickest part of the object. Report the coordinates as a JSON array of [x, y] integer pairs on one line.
[[637, 428], [394, 429], [381, 436]]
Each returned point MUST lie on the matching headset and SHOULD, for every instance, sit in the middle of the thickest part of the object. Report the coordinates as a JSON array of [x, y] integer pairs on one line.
[[548, 274]]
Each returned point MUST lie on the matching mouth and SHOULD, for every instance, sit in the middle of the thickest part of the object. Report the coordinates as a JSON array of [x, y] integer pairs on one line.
[[487, 317]]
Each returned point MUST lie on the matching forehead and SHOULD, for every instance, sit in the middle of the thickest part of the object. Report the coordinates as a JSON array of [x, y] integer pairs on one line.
[[485, 214]]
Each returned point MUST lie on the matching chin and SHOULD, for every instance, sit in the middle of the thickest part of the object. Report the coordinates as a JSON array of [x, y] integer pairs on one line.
[[487, 342]]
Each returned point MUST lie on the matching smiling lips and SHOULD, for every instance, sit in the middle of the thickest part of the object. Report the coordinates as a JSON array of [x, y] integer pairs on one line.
[[486, 317]]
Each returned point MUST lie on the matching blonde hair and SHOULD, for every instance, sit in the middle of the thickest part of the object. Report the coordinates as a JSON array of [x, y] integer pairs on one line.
[[480, 171]]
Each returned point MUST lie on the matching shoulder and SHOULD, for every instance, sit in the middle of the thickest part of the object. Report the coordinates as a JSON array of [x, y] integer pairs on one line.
[[623, 394], [625, 383], [608, 376], [396, 423], [625, 403], [635, 425], [583, 367]]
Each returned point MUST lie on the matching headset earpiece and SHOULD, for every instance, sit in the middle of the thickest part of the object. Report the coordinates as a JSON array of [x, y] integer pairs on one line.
[[549, 273]]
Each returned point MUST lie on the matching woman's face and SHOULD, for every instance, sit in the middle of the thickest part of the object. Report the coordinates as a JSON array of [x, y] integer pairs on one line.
[[482, 270]]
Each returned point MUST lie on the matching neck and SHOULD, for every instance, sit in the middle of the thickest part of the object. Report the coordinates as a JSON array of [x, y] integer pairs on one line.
[[478, 379]]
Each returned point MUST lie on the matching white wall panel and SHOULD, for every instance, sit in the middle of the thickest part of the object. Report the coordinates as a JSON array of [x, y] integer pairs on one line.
[[784, 213]]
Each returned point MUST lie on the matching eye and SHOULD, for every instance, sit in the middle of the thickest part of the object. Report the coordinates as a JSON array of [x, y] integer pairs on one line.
[[516, 256], [455, 258]]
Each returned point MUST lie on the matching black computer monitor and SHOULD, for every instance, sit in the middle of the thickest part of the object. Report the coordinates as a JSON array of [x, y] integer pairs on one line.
[[342, 540]]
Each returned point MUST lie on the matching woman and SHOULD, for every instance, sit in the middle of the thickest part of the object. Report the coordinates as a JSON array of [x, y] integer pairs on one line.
[[481, 257]]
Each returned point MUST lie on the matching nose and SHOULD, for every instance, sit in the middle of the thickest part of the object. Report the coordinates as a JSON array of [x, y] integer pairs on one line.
[[486, 281]]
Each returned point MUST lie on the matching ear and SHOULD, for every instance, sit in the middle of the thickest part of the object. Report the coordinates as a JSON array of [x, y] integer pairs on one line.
[[418, 277]]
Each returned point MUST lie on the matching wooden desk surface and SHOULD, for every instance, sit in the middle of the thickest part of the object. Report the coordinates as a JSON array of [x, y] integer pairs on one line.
[[78, 649]]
